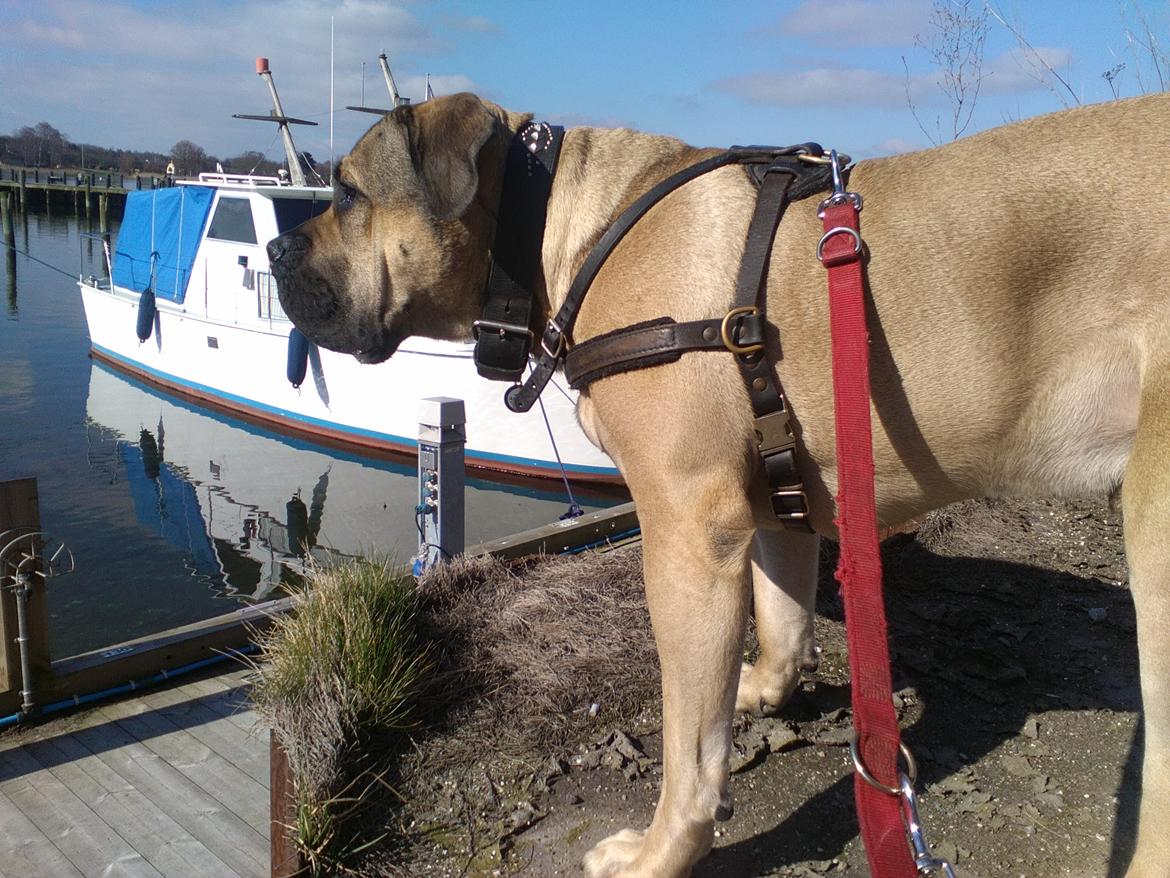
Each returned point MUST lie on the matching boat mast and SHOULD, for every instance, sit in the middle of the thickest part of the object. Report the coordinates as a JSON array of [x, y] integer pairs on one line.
[[396, 99], [296, 175]]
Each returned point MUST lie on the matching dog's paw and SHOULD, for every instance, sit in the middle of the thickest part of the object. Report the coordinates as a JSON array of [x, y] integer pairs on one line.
[[611, 855], [763, 691]]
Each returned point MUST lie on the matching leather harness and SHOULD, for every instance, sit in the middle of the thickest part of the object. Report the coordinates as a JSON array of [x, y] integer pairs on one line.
[[504, 335]]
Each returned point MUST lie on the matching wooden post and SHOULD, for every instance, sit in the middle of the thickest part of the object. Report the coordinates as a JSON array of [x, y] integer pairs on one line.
[[23, 193], [103, 210], [286, 859], [88, 199], [20, 508], [6, 207], [6, 215]]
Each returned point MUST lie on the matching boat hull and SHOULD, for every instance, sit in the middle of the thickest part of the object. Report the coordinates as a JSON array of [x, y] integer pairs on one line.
[[241, 367]]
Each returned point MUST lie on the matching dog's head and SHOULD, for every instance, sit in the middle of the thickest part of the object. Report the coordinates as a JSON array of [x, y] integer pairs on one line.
[[403, 249]]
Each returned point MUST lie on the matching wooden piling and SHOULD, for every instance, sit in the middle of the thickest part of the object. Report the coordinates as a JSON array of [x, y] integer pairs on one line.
[[6, 208], [20, 509], [286, 859], [103, 213], [23, 193]]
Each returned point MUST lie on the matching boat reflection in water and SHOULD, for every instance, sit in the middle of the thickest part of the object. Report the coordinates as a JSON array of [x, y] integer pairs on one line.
[[248, 508]]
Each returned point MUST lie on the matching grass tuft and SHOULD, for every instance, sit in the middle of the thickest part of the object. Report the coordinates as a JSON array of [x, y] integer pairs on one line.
[[338, 684]]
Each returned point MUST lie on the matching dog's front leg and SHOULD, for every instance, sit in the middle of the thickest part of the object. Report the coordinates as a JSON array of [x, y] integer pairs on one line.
[[696, 586], [784, 588], [1146, 507]]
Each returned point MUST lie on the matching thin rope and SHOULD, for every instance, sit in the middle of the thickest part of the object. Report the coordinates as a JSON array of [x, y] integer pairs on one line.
[[14, 249], [574, 507]]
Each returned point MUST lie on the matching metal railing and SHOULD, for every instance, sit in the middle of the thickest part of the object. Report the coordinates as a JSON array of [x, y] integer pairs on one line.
[[267, 302]]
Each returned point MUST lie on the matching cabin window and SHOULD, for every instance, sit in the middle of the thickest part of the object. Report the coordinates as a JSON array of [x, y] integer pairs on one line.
[[233, 221], [291, 212]]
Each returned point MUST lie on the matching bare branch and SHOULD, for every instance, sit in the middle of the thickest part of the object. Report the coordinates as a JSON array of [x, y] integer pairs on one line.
[[1110, 76], [1040, 69], [913, 109], [955, 45], [1143, 42]]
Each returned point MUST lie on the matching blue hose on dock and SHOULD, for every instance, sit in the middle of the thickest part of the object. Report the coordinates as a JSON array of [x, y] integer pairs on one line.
[[131, 685]]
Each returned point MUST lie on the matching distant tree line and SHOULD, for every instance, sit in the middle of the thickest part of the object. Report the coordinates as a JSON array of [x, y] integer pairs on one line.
[[43, 146]]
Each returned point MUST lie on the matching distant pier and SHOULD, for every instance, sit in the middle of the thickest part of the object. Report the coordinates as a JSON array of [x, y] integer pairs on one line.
[[94, 194]]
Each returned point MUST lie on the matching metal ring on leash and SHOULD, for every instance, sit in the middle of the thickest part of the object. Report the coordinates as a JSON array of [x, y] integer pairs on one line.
[[833, 231], [859, 764]]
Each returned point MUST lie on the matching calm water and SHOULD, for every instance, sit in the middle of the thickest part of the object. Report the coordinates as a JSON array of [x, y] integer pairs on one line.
[[174, 512]]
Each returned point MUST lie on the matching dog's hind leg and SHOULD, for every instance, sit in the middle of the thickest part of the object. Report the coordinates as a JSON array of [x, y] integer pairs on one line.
[[784, 587], [1146, 507], [696, 571]]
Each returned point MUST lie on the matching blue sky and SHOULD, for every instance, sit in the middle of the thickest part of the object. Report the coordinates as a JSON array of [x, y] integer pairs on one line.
[[147, 74]]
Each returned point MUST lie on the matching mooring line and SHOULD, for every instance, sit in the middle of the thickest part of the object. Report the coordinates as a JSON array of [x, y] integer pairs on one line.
[[68, 274]]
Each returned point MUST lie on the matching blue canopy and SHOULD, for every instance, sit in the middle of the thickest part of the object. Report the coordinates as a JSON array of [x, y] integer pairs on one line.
[[169, 224]]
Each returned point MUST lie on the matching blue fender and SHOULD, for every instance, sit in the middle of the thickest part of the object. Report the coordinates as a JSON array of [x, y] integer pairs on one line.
[[298, 357], [146, 312]]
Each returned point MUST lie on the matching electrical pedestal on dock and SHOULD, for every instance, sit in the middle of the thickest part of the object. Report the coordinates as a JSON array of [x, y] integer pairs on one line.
[[442, 435]]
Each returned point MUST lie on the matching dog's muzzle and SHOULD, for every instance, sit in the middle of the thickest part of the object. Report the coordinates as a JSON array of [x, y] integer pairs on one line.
[[308, 300]]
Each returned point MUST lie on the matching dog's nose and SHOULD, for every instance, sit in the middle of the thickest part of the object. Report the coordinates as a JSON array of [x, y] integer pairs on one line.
[[278, 248]]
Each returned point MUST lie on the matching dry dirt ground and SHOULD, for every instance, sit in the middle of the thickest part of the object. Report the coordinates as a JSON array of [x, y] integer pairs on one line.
[[1015, 660]]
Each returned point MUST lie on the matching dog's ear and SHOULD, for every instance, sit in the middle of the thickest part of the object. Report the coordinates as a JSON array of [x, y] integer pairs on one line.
[[446, 137]]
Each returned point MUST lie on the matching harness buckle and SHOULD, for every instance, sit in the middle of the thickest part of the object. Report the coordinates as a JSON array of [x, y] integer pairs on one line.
[[772, 432], [553, 336], [502, 328], [782, 508], [725, 333]]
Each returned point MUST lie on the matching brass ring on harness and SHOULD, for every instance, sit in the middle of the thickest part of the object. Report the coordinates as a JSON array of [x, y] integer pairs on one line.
[[726, 334], [859, 764]]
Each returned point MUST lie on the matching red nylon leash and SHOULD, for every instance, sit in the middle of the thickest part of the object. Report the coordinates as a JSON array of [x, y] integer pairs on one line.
[[859, 570]]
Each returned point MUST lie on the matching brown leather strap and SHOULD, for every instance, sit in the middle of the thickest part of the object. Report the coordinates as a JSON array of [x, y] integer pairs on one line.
[[652, 344], [741, 332], [773, 426]]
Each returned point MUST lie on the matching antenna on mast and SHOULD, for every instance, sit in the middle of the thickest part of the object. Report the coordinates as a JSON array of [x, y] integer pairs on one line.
[[296, 174], [395, 99]]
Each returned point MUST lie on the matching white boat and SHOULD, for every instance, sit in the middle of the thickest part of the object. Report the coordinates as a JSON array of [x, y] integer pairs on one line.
[[191, 306]]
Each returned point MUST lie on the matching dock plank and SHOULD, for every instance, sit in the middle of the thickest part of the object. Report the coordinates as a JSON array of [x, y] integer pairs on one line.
[[25, 851], [228, 700], [82, 836], [214, 824], [184, 749], [166, 845], [225, 738]]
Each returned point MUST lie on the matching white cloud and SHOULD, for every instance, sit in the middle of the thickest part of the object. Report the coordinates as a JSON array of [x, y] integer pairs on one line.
[[441, 83], [1022, 70], [820, 87], [472, 24], [858, 22], [892, 146], [167, 73]]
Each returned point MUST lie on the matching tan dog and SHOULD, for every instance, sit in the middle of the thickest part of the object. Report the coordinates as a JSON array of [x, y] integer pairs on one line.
[[1020, 345]]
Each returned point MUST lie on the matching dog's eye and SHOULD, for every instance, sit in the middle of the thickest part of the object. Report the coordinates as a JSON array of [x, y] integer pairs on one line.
[[347, 196]]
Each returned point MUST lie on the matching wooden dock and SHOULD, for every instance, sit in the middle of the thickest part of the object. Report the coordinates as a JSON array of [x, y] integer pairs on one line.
[[174, 782]]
